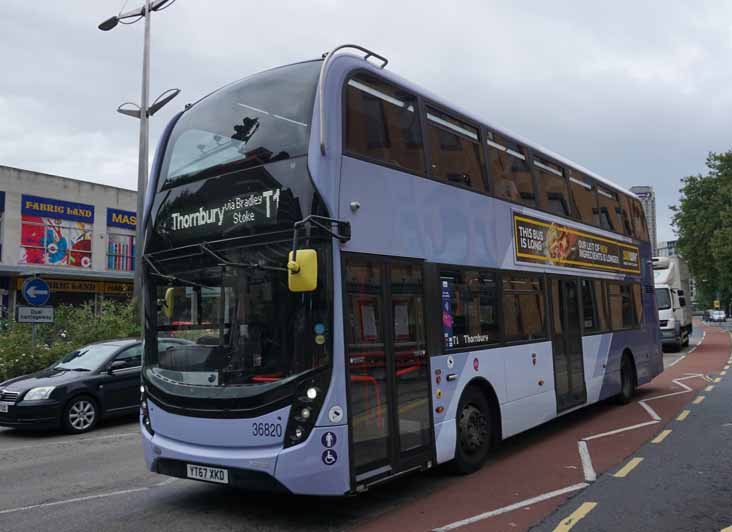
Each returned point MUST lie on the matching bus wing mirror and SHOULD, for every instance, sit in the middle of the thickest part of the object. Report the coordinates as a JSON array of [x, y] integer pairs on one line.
[[302, 271], [169, 302]]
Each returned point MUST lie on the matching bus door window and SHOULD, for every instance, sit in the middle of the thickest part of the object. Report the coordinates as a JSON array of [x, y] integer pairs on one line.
[[455, 152], [509, 172], [382, 124], [411, 368], [369, 401], [554, 195]]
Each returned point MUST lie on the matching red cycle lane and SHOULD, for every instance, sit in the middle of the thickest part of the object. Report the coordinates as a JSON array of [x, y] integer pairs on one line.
[[533, 466]]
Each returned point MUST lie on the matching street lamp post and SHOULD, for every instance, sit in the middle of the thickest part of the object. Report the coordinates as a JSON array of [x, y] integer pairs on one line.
[[143, 112]]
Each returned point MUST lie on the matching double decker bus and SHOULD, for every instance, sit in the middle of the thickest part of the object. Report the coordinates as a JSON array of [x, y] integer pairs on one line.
[[372, 281]]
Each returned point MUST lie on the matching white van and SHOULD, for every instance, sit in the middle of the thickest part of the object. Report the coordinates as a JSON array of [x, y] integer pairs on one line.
[[671, 277]]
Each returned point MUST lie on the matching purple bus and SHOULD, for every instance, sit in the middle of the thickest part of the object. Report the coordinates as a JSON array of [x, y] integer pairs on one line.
[[373, 281]]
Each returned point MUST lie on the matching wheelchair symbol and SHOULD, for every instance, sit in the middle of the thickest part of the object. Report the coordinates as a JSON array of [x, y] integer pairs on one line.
[[329, 457]]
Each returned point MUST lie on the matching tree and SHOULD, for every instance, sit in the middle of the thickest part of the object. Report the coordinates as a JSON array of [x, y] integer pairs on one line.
[[703, 222]]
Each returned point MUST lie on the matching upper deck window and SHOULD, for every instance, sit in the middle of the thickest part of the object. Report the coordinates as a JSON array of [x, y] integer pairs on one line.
[[263, 118], [455, 152], [554, 197], [609, 210], [583, 201], [511, 175], [639, 220], [625, 215], [382, 123]]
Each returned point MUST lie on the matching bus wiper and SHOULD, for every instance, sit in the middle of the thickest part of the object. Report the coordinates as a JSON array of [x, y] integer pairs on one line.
[[171, 278], [232, 264]]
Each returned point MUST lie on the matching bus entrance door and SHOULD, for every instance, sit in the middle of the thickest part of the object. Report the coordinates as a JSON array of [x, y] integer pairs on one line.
[[569, 374], [388, 370]]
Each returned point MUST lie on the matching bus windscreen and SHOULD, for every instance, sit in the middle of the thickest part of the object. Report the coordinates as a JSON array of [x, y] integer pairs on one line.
[[263, 118]]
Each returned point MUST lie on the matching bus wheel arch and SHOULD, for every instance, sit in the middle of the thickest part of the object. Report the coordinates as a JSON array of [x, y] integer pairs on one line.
[[628, 377], [478, 426]]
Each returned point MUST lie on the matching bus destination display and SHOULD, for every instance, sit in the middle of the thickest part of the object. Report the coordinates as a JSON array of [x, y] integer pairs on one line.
[[559, 245], [251, 209]]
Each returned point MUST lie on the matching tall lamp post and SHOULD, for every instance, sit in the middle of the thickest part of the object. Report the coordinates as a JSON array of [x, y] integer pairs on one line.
[[143, 112]]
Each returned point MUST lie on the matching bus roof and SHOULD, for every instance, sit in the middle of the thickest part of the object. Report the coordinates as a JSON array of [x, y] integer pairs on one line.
[[391, 76]]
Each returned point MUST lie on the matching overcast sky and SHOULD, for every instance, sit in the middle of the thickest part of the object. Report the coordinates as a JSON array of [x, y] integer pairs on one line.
[[637, 91]]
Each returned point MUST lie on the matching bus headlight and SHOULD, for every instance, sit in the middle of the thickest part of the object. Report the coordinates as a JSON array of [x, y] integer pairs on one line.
[[306, 405], [144, 412]]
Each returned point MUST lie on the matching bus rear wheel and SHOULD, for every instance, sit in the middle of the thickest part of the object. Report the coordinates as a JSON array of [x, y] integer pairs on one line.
[[475, 431], [627, 380]]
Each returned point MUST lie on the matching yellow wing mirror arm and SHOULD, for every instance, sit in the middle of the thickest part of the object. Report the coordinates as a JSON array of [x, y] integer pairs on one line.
[[302, 265]]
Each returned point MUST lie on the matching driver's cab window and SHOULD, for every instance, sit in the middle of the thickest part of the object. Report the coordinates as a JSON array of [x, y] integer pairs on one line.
[[132, 357]]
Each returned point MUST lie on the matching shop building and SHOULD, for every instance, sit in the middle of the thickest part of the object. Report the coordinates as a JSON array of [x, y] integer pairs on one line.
[[78, 236]]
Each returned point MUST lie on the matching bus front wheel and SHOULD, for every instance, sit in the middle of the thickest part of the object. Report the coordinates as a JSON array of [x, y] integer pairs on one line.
[[475, 431]]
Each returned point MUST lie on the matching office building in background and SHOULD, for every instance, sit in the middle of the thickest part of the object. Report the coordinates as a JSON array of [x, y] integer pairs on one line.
[[648, 199]]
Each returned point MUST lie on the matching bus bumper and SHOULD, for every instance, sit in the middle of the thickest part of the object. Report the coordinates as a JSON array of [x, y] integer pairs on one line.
[[308, 468]]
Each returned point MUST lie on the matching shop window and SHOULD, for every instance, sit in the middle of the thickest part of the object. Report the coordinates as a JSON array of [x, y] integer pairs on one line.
[[382, 123], [121, 252], [523, 308], [455, 152], [469, 308], [510, 174], [55, 242]]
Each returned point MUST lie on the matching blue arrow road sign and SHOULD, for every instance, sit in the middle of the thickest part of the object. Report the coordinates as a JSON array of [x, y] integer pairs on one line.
[[36, 291]]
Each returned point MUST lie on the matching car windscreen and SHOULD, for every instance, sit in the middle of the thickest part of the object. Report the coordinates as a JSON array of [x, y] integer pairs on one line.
[[87, 358], [663, 298]]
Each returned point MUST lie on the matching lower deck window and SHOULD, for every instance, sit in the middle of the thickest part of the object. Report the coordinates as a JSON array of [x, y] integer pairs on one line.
[[469, 308], [523, 308]]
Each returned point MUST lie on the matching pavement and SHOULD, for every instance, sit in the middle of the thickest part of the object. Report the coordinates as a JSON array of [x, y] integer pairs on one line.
[[98, 481]]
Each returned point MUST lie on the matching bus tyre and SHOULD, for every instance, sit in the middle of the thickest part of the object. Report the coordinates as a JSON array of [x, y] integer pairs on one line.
[[80, 415], [475, 431], [627, 380]]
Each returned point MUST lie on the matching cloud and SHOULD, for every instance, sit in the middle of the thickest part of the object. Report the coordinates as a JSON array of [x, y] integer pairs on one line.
[[635, 91]]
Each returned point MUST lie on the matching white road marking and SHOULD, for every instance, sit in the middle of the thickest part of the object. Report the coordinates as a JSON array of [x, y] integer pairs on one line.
[[584, 452], [585, 456], [512, 507], [69, 441], [618, 431], [71, 501], [650, 411]]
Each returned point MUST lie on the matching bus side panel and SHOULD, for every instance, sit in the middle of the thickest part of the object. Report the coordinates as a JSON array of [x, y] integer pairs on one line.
[[595, 353], [318, 466], [634, 342], [446, 392], [410, 216]]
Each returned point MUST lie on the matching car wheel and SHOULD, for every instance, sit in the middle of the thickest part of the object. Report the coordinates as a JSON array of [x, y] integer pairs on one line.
[[80, 415], [627, 381], [475, 431]]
